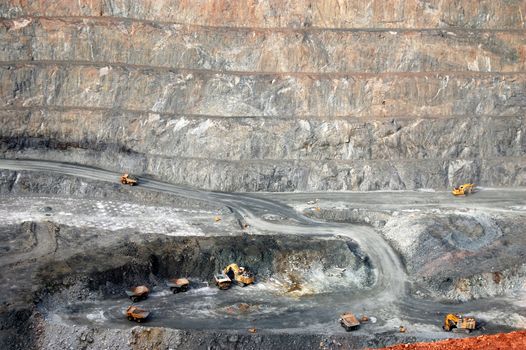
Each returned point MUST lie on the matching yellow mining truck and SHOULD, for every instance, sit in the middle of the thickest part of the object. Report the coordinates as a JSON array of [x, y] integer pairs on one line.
[[239, 274], [454, 322], [178, 285], [138, 293], [133, 313], [222, 281], [463, 190], [127, 179], [349, 322]]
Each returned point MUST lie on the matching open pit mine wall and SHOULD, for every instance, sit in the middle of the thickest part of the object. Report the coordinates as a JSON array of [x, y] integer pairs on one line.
[[270, 95]]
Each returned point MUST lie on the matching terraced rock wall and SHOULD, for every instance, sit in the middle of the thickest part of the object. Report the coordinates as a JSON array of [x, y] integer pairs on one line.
[[273, 95]]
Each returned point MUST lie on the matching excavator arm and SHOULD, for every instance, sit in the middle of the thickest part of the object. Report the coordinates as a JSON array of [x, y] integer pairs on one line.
[[239, 274], [450, 321], [232, 267]]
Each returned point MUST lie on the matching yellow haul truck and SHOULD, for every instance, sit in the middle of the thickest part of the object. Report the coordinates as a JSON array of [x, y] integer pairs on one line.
[[138, 293], [349, 321], [222, 281], [178, 285], [134, 313], [127, 179]]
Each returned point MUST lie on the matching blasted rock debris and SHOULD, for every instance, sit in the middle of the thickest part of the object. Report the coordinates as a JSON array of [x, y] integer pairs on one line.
[[513, 340]]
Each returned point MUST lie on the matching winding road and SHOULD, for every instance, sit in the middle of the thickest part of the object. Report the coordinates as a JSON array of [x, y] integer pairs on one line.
[[390, 293], [391, 274]]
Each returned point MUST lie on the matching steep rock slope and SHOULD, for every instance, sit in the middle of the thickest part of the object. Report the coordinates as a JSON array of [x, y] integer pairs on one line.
[[275, 95]]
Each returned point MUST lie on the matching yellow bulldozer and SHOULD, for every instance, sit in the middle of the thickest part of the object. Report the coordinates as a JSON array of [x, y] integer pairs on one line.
[[457, 323], [463, 190], [239, 274], [127, 179]]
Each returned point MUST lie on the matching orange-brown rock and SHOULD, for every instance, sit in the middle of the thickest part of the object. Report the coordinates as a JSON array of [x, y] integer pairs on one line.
[[508, 341]]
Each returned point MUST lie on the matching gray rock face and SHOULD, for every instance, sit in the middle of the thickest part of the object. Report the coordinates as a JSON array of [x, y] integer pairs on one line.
[[450, 253], [292, 14], [461, 256], [167, 45], [270, 98]]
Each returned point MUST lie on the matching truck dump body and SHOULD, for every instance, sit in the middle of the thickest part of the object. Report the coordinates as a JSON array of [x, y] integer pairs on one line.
[[178, 285], [349, 321], [222, 281], [138, 293], [133, 313], [127, 179]]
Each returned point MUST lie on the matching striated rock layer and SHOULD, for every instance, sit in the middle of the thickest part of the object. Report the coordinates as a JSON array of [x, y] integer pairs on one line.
[[273, 95]]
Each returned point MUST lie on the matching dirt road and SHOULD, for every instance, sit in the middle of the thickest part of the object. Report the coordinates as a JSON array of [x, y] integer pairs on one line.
[[389, 295]]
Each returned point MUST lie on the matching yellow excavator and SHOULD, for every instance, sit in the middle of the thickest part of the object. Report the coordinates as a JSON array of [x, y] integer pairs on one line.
[[239, 274], [463, 190], [454, 322]]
